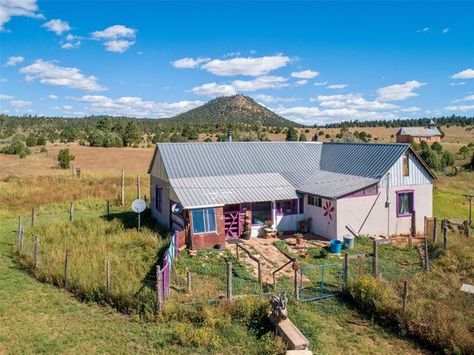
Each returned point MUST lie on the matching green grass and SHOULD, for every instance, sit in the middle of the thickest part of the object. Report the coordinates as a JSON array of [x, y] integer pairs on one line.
[[448, 199]]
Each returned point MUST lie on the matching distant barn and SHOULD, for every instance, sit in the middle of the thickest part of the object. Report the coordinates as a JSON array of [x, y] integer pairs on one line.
[[429, 134]]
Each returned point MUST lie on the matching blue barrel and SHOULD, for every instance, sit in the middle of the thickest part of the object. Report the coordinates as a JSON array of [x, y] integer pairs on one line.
[[349, 241], [335, 246]]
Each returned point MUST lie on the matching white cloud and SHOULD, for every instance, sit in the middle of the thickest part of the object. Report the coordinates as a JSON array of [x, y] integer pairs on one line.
[[337, 86], [269, 99], [246, 66], [425, 29], [11, 8], [461, 108], [214, 89], [259, 83], [465, 74], [305, 74], [411, 109], [302, 82], [47, 72], [320, 83], [135, 106], [71, 45], [20, 103], [351, 101], [57, 26], [118, 46], [3, 80], [467, 98], [52, 97], [12, 61], [399, 92], [445, 30], [117, 38], [458, 83], [6, 97], [189, 63]]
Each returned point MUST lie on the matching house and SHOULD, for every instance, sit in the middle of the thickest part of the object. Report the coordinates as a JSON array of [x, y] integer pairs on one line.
[[214, 187], [430, 134]]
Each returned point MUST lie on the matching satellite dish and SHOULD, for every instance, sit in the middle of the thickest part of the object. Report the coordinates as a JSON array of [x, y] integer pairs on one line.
[[177, 208], [138, 206]]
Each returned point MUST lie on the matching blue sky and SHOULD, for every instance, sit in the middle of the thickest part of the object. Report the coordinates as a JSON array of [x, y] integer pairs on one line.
[[313, 62]]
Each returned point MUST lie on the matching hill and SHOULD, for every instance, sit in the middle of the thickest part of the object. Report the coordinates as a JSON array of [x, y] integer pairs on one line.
[[233, 110]]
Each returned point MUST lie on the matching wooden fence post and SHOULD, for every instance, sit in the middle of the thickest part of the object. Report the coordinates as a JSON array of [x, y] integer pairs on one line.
[[237, 252], [188, 281], [66, 268], [36, 253], [445, 234], [229, 280], [32, 216], [435, 230], [405, 296], [413, 224], [159, 290], [426, 256], [22, 236], [108, 284], [295, 282], [375, 259], [18, 235], [467, 229], [71, 211], [108, 208], [260, 281], [346, 267], [139, 192], [122, 189]]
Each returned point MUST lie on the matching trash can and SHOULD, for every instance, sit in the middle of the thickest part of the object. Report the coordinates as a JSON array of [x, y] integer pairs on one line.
[[335, 246], [349, 241]]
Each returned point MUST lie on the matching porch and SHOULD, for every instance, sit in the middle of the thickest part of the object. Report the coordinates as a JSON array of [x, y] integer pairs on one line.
[[249, 219]]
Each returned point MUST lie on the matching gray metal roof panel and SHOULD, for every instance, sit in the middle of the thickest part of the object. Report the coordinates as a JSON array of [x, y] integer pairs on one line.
[[203, 191], [419, 131], [361, 159], [334, 185]]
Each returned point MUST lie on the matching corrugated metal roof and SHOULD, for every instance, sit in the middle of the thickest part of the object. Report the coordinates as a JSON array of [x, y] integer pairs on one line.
[[295, 161], [361, 159], [334, 185], [206, 191], [419, 131], [205, 174]]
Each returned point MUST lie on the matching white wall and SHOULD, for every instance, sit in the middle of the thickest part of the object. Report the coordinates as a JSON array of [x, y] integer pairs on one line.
[[418, 174], [320, 224]]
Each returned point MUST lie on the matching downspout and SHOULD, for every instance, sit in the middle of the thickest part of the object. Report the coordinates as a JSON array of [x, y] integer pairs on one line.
[[387, 203]]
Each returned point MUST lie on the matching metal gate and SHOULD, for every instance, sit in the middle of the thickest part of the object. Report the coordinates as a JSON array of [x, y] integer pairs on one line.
[[320, 281]]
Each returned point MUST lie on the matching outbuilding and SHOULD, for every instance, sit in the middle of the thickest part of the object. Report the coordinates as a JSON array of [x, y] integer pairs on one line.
[[218, 191]]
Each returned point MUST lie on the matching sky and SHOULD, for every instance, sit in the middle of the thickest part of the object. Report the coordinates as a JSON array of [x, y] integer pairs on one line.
[[312, 62]]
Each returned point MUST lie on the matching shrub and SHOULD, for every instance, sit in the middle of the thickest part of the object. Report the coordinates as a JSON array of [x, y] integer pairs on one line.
[[18, 147], [328, 136], [43, 150], [31, 141], [64, 158], [437, 147], [302, 137]]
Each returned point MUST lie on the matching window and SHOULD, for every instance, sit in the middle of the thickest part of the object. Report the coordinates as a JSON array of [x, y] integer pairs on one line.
[[204, 220], [405, 205], [315, 201], [287, 207], [261, 212], [406, 165], [158, 197]]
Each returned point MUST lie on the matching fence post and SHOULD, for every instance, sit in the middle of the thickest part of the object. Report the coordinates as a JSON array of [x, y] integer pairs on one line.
[[108, 284], [159, 290], [122, 189], [413, 224], [188, 281], [426, 256], [36, 252], [467, 229], [139, 192], [260, 281], [22, 236], [108, 208], [445, 234], [32, 216], [346, 267], [295, 281], [18, 235], [66, 267], [375, 259], [71, 211], [229, 280], [435, 230], [237, 252], [405, 296]]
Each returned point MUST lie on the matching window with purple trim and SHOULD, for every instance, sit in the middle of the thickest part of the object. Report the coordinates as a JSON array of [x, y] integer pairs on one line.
[[158, 197], [405, 205], [287, 207]]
